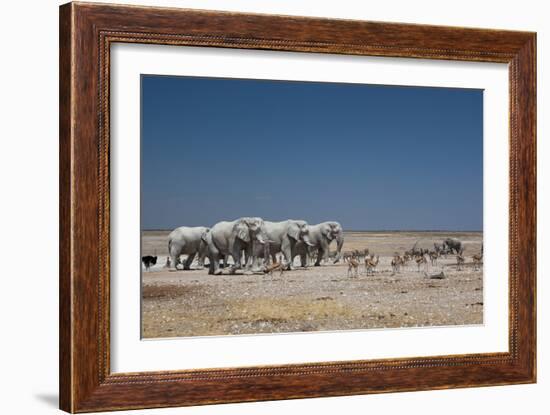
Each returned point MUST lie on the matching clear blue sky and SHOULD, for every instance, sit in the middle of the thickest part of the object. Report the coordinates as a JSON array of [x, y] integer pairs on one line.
[[371, 157]]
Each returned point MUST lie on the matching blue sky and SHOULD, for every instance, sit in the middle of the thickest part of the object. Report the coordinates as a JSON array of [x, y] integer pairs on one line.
[[369, 156]]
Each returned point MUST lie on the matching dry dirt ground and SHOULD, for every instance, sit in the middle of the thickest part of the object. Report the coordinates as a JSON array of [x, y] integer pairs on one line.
[[193, 303]]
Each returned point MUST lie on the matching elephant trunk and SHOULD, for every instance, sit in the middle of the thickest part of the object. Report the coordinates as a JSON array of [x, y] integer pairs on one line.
[[340, 244], [266, 253], [203, 251]]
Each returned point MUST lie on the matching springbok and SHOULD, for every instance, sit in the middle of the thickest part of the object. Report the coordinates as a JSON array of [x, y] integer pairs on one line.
[[406, 259], [421, 259], [371, 263], [433, 257], [353, 265], [459, 261], [396, 263], [478, 260], [361, 254], [275, 266]]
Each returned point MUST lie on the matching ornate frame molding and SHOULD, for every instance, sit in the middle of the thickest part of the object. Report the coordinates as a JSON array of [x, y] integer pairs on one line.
[[86, 33]]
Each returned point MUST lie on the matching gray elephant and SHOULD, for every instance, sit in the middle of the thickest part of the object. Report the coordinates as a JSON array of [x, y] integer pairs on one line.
[[187, 241], [232, 238], [283, 237], [454, 245], [320, 237]]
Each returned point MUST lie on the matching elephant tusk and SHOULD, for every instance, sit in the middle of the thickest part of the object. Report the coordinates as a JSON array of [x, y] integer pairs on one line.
[[263, 242]]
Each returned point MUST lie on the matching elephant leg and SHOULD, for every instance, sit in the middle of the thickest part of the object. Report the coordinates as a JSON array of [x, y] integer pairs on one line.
[[245, 259], [202, 256], [252, 259], [237, 252], [308, 254], [256, 261], [326, 254], [286, 249], [226, 260], [174, 261], [189, 261], [320, 256], [215, 265], [288, 259], [174, 252], [257, 264], [214, 261]]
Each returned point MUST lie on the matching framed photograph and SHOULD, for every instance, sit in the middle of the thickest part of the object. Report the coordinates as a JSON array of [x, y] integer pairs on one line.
[[258, 207]]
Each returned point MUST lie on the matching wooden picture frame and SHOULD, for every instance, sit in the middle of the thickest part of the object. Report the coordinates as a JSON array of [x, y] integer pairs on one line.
[[86, 33]]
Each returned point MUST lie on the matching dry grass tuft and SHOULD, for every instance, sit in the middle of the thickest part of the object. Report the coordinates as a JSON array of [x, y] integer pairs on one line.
[[158, 292], [287, 309]]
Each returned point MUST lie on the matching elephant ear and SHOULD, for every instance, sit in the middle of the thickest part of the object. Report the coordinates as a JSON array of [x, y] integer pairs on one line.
[[242, 232], [327, 231], [294, 231], [204, 236]]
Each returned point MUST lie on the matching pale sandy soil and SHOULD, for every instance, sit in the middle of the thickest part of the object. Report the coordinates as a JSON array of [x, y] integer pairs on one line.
[[193, 303]]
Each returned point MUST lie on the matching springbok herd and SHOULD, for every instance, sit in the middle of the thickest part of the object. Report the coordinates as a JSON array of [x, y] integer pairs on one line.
[[416, 256]]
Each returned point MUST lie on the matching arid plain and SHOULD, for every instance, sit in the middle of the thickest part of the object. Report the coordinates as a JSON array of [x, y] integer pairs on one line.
[[193, 303]]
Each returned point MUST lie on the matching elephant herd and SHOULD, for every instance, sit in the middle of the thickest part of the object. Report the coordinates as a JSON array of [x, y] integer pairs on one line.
[[251, 241]]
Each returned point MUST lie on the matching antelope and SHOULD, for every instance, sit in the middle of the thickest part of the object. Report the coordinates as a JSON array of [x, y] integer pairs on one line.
[[420, 259], [168, 262], [478, 260], [459, 262], [433, 257], [275, 266], [371, 263], [415, 251], [360, 254], [396, 263], [313, 253], [353, 265], [406, 259]]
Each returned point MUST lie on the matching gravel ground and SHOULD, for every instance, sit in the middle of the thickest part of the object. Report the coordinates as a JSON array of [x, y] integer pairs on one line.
[[193, 303]]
